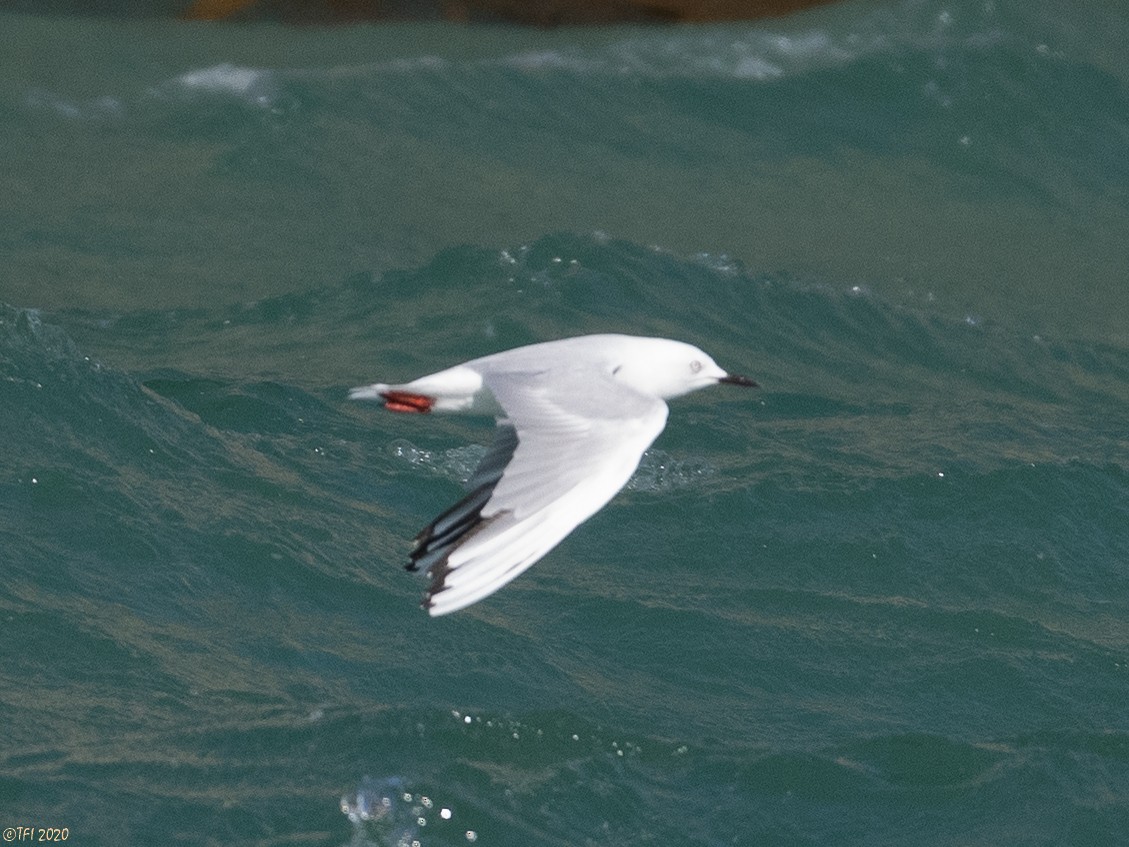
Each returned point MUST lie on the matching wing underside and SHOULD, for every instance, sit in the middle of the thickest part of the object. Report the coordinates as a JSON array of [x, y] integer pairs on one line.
[[552, 464]]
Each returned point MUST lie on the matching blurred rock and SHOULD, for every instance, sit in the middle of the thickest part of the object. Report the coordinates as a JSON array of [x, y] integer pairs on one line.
[[543, 13]]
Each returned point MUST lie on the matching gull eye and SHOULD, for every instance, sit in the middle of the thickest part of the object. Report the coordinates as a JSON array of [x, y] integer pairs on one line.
[[695, 366]]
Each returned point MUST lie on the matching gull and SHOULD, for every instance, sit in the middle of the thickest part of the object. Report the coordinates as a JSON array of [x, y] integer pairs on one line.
[[573, 419]]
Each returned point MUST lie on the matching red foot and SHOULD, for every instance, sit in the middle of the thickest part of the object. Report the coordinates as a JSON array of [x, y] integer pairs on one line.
[[404, 401]]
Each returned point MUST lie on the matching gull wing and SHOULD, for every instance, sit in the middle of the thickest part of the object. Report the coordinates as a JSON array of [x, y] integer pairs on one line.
[[567, 445]]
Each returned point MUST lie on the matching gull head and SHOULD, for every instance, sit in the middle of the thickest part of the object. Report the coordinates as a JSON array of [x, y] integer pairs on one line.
[[663, 368]]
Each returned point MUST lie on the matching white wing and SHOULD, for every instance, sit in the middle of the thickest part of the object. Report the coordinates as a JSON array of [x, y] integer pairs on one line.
[[569, 443]]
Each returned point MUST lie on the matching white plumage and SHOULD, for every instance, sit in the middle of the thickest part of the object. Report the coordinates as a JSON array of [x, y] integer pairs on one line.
[[574, 417]]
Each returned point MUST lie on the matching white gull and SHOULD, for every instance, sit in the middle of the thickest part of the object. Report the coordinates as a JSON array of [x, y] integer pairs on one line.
[[574, 417]]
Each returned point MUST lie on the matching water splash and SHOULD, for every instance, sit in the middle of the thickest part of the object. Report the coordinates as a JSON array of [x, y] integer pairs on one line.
[[386, 813], [380, 815], [455, 463], [658, 471]]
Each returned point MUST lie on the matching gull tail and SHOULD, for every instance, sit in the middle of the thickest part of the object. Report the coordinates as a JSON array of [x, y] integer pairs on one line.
[[456, 389]]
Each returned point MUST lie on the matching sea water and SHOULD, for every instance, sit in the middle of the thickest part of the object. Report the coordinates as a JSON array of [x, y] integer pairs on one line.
[[881, 600]]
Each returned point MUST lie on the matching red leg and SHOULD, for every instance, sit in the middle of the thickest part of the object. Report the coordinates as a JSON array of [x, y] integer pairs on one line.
[[405, 401]]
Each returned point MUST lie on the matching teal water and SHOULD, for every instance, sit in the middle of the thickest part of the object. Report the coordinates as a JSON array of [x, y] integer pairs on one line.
[[883, 600]]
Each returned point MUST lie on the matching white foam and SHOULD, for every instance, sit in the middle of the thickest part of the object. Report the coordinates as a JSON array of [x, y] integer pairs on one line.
[[223, 77]]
